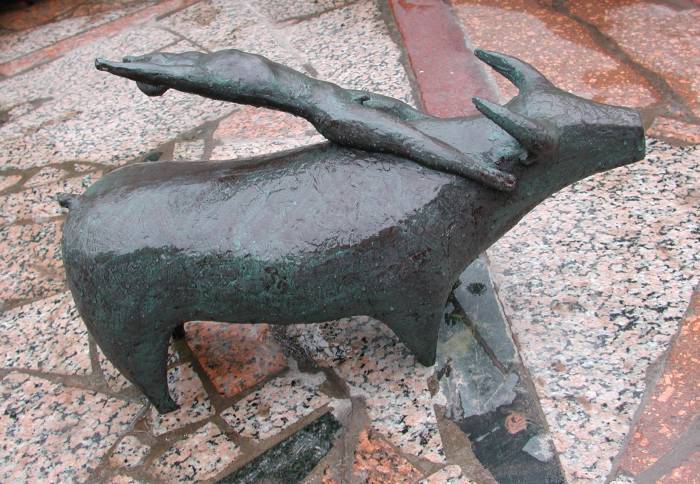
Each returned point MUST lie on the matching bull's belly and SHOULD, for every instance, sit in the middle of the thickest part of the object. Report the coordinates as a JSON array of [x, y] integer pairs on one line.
[[156, 285]]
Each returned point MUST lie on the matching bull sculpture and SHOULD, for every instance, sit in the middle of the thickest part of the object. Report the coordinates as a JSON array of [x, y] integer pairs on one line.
[[380, 221]]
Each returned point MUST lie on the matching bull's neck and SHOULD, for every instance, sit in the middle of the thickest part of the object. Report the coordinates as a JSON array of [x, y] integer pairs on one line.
[[497, 212]]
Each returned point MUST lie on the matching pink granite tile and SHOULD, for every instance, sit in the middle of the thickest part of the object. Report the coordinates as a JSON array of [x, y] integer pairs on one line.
[[251, 123], [674, 129], [6, 181], [123, 479], [54, 433], [130, 452], [108, 29], [188, 150], [187, 391], [23, 41], [235, 356], [378, 368], [219, 24], [278, 404], [38, 203], [448, 475], [661, 37], [290, 10], [372, 64], [47, 335], [199, 456], [688, 472], [595, 281], [88, 115], [376, 462], [550, 41], [116, 382], [232, 149], [30, 261], [675, 402]]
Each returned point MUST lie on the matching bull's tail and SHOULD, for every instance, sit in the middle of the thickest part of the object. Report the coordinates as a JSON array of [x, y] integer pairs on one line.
[[67, 200]]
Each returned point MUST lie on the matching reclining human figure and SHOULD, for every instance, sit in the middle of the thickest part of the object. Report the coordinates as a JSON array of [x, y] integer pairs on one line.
[[357, 119]]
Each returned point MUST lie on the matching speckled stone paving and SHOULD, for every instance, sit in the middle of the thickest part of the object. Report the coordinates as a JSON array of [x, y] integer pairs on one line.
[[54, 433], [594, 283]]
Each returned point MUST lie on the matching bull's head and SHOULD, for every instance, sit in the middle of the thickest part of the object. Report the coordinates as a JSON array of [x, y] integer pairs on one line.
[[570, 137]]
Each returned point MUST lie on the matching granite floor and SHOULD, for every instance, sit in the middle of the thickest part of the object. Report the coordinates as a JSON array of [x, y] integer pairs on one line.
[[568, 352]]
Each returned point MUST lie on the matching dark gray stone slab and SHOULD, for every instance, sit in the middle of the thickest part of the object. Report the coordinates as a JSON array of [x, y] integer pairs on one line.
[[292, 460], [476, 295], [468, 377]]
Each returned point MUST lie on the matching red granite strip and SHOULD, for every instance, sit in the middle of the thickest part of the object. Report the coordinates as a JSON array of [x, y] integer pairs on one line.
[[674, 402], [46, 54], [447, 73]]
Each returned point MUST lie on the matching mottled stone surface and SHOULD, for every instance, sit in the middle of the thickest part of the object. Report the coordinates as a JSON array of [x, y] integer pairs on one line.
[[377, 462], [68, 126], [595, 281], [130, 452], [48, 22], [538, 34], [30, 261], [47, 335], [235, 356], [292, 459], [187, 391], [378, 368], [673, 405], [278, 404], [117, 382], [448, 475], [54, 433], [676, 130], [471, 383], [477, 297], [661, 37], [372, 64], [685, 473], [199, 456], [188, 150], [38, 202]]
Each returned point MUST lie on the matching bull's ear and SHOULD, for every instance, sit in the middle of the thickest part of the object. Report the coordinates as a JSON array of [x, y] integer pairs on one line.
[[523, 75]]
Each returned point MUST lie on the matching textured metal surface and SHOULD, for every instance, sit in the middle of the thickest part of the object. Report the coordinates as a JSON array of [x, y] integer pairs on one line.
[[327, 231]]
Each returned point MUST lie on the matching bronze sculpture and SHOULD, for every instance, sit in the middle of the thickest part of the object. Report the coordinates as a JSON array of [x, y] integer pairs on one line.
[[379, 222]]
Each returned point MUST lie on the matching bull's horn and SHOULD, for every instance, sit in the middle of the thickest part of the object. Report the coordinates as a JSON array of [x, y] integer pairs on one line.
[[530, 134], [520, 73]]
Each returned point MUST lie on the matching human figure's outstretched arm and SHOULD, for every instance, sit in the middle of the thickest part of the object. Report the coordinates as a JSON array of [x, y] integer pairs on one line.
[[357, 119]]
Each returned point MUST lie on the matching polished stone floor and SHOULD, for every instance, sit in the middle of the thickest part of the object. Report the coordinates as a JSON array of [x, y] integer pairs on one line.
[[569, 350]]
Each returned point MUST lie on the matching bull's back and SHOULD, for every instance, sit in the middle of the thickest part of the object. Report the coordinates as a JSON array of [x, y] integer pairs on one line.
[[306, 233]]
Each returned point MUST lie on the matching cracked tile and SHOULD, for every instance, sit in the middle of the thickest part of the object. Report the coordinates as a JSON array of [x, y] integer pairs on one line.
[[367, 355], [30, 261], [130, 452], [235, 356], [277, 405], [187, 391], [54, 433], [595, 281], [377, 462], [199, 456], [549, 40], [47, 335]]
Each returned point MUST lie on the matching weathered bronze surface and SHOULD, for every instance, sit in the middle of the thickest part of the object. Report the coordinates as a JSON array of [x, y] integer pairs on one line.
[[379, 222]]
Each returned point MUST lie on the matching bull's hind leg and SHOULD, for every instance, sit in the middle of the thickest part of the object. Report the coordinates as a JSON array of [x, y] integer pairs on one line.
[[418, 330], [139, 350]]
